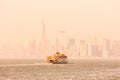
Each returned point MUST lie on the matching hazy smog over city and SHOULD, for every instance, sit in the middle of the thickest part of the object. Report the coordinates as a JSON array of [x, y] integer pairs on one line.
[[77, 28], [59, 39]]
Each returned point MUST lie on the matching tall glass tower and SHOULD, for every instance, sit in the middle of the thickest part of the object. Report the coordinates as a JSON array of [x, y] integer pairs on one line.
[[43, 40]]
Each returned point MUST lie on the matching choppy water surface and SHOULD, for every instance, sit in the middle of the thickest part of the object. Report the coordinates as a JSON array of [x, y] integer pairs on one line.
[[75, 70]]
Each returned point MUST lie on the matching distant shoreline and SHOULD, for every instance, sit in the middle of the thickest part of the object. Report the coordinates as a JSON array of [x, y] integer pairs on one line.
[[75, 58]]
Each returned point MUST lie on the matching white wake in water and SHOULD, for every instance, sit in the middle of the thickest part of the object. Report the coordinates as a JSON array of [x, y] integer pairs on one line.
[[33, 64]]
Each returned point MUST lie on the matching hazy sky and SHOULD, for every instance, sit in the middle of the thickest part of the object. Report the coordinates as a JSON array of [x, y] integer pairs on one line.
[[21, 19]]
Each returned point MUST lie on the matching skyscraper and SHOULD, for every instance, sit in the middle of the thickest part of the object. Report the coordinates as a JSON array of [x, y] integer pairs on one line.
[[83, 48], [96, 47], [43, 41], [71, 47], [115, 48], [61, 42], [106, 48]]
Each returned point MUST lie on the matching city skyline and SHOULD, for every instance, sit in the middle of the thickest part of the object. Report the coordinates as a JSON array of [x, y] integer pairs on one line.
[[22, 21], [97, 47]]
